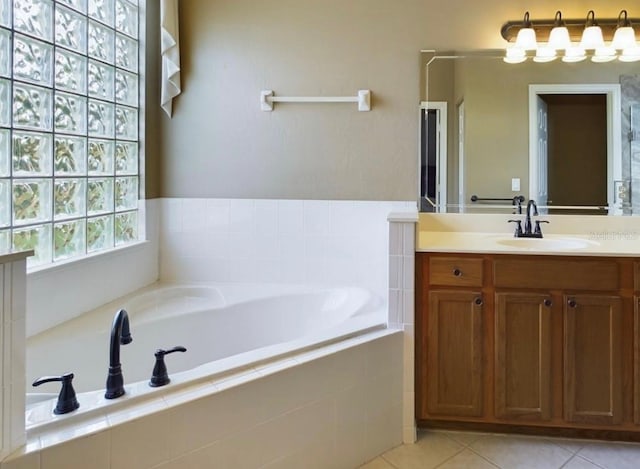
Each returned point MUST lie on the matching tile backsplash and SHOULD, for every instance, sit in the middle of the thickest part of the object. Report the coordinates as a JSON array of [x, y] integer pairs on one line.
[[277, 241]]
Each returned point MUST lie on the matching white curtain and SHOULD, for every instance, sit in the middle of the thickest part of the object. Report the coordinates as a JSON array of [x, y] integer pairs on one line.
[[170, 51]]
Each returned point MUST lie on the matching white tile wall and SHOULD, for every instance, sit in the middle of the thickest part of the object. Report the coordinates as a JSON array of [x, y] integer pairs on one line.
[[282, 241], [402, 232], [334, 408], [12, 355], [63, 292]]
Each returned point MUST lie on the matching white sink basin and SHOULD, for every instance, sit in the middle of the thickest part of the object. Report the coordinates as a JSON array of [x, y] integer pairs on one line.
[[546, 244]]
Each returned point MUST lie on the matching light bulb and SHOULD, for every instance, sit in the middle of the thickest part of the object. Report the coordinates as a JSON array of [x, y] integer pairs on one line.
[[604, 54], [592, 34], [631, 54], [559, 38], [515, 55], [545, 54], [559, 35], [526, 38], [574, 54], [624, 37], [592, 38]]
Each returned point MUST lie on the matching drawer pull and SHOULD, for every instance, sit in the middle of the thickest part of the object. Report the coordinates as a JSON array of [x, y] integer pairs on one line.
[[478, 301], [457, 272], [572, 303], [547, 302]]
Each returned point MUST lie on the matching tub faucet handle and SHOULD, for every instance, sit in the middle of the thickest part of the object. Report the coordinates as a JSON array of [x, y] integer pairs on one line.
[[67, 401], [159, 376]]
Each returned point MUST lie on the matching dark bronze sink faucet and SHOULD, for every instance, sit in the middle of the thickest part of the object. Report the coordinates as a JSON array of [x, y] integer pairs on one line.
[[532, 210]]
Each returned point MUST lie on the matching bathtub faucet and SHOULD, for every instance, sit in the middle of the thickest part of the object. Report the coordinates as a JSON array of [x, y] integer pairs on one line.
[[120, 334]]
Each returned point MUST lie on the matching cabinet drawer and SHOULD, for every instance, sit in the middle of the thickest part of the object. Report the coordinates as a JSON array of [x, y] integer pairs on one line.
[[557, 274], [455, 271]]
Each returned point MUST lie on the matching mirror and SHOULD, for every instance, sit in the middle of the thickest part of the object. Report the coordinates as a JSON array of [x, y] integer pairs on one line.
[[566, 135]]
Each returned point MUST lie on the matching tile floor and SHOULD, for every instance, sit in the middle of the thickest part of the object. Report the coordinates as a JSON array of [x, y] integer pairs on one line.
[[467, 450]]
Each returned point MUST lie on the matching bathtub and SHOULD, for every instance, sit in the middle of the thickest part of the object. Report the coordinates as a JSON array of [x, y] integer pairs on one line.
[[226, 329]]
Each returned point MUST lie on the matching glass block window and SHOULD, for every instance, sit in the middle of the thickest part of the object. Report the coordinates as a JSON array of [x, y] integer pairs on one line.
[[69, 113]]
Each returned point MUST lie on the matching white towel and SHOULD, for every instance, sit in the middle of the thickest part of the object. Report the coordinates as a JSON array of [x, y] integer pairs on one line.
[[170, 43]]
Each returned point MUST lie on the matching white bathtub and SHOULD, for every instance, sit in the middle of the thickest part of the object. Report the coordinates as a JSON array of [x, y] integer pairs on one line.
[[225, 328]]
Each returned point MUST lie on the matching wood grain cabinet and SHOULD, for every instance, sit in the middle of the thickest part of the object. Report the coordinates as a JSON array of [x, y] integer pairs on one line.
[[523, 356], [454, 355], [529, 341], [592, 359], [449, 352]]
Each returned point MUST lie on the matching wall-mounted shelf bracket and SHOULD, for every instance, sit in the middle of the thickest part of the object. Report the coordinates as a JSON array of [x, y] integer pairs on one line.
[[267, 98]]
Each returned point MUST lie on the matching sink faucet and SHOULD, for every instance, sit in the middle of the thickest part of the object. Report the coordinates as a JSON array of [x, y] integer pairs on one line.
[[527, 232], [120, 334], [527, 221]]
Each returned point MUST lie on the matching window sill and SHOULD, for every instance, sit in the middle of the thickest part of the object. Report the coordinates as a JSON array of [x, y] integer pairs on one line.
[[47, 269]]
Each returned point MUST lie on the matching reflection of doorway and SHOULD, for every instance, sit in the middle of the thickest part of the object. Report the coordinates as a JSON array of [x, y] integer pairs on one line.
[[433, 156], [577, 158], [577, 149]]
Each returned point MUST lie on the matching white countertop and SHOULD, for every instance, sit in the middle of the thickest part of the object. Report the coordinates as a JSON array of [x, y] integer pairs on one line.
[[564, 235], [498, 243]]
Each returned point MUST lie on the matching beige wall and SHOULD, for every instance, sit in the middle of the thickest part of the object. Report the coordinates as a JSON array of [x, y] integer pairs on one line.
[[219, 143], [152, 141]]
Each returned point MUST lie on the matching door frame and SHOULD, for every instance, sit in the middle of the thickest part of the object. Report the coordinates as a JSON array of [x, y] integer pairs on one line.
[[441, 179], [461, 155], [614, 132]]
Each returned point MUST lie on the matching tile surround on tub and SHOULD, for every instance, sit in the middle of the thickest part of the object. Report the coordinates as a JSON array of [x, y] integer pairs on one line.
[[281, 241], [402, 245], [350, 391]]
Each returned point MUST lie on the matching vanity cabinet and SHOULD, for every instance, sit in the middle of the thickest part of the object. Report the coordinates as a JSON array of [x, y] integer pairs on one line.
[[592, 359], [522, 357], [528, 341], [455, 353]]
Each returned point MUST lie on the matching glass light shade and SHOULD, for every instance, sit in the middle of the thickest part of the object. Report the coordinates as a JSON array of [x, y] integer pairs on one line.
[[574, 54], [515, 55], [624, 37], [545, 54], [526, 39], [604, 54], [592, 38], [559, 38], [631, 54]]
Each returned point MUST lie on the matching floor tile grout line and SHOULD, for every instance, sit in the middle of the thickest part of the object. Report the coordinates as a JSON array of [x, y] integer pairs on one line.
[[450, 457], [589, 460], [389, 462], [576, 455], [486, 458]]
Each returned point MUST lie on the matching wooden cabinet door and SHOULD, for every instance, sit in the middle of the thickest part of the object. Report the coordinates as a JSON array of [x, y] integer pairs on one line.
[[592, 359], [454, 354], [636, 354], [523, 356]]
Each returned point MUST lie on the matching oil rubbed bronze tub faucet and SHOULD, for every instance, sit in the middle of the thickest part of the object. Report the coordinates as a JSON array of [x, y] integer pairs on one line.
[[120, 334]]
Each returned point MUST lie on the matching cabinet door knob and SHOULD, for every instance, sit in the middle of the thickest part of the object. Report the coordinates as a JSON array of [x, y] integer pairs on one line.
[[572, 303], [457, 272], [547, 302], [478, 301]]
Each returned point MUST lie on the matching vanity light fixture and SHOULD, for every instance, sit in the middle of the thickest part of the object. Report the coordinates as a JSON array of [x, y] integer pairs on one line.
[[573, 40], [592, 34], [559, 35], [526, 39], [624, 37]]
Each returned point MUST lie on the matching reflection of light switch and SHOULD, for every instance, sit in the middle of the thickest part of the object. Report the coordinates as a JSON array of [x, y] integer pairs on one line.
[[515, 184]]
